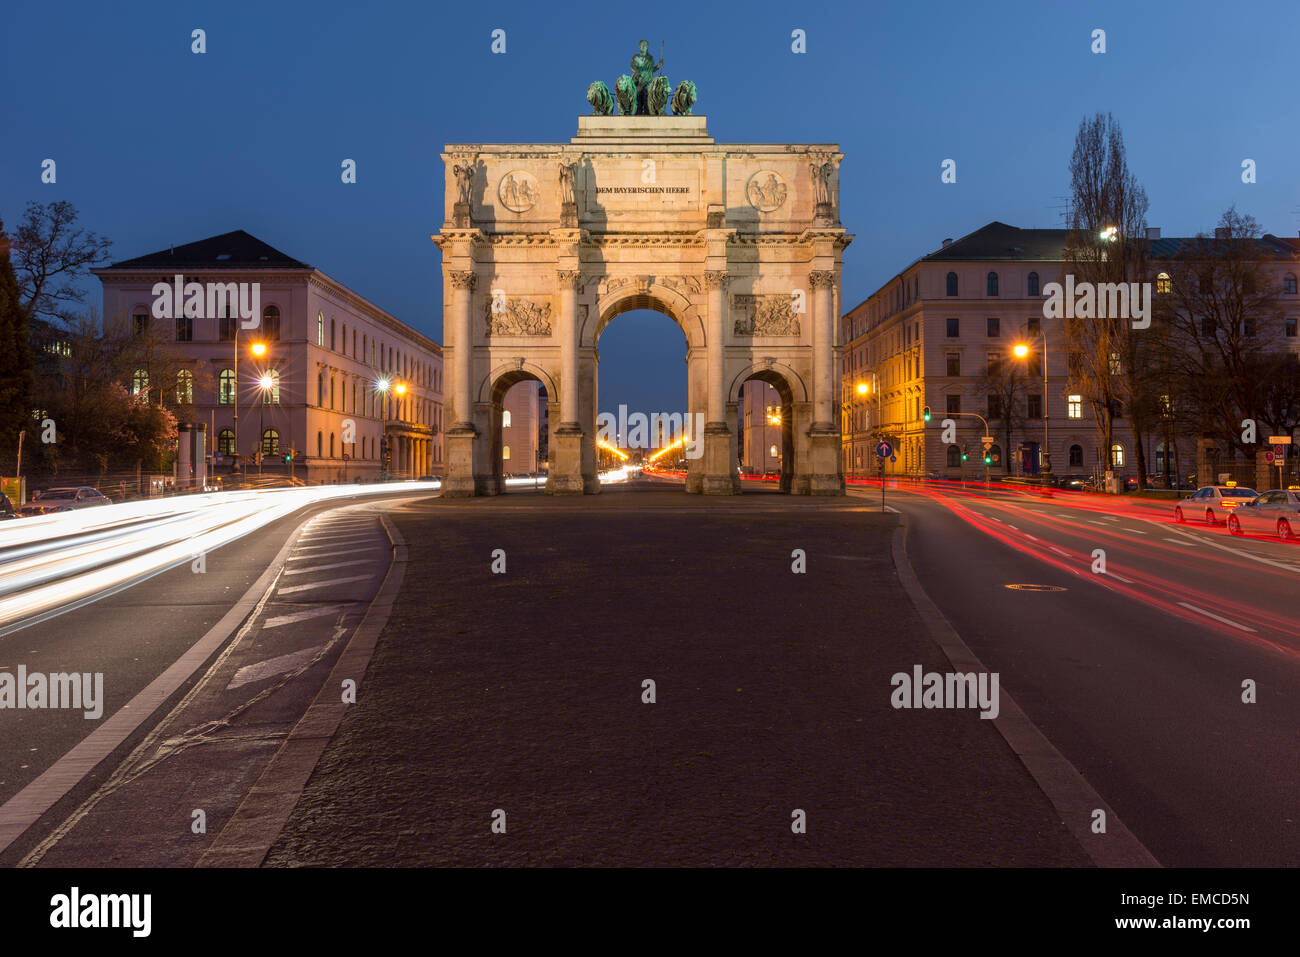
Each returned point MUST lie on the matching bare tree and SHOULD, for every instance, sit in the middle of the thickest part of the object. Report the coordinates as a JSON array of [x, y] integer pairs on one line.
[[51, 255], [1220, 303], [1007, 393], [1106, 244]]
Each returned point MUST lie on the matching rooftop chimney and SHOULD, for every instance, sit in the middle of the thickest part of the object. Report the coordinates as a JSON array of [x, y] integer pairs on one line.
[[947, 242], [1153, 232]]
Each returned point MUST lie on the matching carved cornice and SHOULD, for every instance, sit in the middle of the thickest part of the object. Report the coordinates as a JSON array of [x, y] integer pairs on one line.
[[463, 278], [821, 278], [716, 278]]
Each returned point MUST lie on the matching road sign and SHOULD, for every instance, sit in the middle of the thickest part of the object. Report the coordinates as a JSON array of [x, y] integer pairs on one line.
[[884, 449], [1279, 451], [347, 457], [987, 439], [893, 458], [1268, 457], [1279, 440]]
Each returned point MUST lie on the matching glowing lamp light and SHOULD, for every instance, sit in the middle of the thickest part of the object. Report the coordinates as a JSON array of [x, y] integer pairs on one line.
[[863, 388], [258, 349], [1021, 351], [1109, 234], [266, 382], [400, 388], [382, 385]]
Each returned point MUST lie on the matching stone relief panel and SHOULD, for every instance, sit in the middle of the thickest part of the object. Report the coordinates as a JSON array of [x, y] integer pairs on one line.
[[518, 191], [516, 316], [764, 315], [766, 190]]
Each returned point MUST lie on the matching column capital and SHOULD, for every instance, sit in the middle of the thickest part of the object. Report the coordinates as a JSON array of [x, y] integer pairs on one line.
[[463, 278], [568, 277], [716, 278], [821, 278]]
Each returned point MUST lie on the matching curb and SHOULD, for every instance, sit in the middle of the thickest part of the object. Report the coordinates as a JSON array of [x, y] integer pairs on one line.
[[257, 822], [1071, 795]]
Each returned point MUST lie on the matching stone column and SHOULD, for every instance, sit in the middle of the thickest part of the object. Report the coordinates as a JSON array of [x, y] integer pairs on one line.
[[565, 477], [461, 437], [720, 477], [823, 469]]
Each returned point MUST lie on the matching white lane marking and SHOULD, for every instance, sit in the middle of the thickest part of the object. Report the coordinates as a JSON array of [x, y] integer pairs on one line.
[[1093, 521], [318, 612], [324, 568], [1135, 531], [1210, 614], [1126, 581], [346, 551], [1059, 551], [344, 534], [1027, 535], [272, 666], [355, 538], [1177, 541], [1009, 525], [1235, 551], [890, 508], [325, 584]]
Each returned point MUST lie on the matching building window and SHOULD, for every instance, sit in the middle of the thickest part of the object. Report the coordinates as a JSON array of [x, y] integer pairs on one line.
[[140, 325], [505, 419], [1035, 406], [1076, 456], [954, 457], [994, 327], [319, 445], [226, 387], [271, 323], [331, 445], [1249, 323], [1034, 326], [1164, 285], [954, 363], [954, 328], [505, 453], [1207, 327], [140, 383], [954, 404], [344, 344], [952, 284], [226, 328], [1290, 328], [332, 335], [226, 442], [331, 398], [270, 442], [1289, 284], [320, 389], [1116, 365], [184, 329], [1032, 285], [1117, 456], [271, 393], [1074, 406], [320, 328], [995, 362], [992, 289], [185, 387], [995, 407]]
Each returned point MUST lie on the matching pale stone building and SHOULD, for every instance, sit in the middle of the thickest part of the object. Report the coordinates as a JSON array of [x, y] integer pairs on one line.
[[340, 383], [760, 425], [930, 335], [523, 429]]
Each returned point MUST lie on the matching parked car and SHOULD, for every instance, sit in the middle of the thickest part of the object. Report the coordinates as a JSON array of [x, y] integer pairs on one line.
[[66, 500], [1272, 513], [1075, 482], [6, 508], [1213, 502]]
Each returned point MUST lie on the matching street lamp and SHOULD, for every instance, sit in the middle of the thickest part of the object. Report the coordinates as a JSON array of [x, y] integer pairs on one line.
[[266, 383], [1022, 351]]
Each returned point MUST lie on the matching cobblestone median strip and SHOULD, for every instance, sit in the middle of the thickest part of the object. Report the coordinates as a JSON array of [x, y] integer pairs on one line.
[[257, 822], [1069, 792]]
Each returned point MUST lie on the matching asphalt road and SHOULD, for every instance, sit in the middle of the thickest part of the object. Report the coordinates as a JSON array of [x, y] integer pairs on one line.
[[1136, 675]]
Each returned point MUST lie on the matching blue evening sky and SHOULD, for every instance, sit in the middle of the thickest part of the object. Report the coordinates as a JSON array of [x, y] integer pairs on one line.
[[156, 145]]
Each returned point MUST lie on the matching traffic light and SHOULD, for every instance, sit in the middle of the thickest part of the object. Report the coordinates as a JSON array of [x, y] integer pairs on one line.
[[925, 413], [288, 456], [988, 459], [964, 454]]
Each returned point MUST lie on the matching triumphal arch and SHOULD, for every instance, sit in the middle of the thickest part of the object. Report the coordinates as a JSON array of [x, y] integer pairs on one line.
[[544, 244]]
